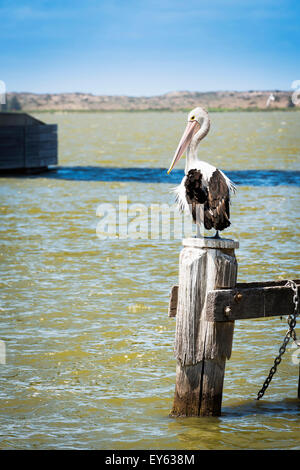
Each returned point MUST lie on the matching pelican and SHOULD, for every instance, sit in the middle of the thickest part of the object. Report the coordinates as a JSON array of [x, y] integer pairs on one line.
[[204, 191]]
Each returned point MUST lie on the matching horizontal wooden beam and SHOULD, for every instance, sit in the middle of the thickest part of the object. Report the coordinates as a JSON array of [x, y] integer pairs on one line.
[[254, 300], [244, 301]]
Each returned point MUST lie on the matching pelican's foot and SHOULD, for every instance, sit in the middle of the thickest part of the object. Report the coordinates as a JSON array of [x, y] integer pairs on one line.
[[217, 236]]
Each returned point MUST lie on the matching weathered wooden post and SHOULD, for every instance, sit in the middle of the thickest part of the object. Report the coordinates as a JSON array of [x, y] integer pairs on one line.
[[201, 346]]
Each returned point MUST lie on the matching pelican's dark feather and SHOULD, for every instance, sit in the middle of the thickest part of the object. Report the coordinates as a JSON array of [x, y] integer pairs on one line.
[[196, 193], [212, 197], [216, 207]]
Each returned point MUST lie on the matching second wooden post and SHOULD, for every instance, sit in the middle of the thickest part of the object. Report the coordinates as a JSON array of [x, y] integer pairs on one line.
[[201, 346]]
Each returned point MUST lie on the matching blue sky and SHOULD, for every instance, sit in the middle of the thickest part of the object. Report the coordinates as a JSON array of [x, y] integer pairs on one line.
[[148, 47]]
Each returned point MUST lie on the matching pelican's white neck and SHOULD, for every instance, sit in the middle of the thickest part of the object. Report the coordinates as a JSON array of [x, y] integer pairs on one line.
[[191, 158], [192, 150]]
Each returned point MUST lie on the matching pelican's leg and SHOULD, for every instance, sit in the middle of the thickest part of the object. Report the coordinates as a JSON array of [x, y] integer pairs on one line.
[[217, 234], [198, 231]]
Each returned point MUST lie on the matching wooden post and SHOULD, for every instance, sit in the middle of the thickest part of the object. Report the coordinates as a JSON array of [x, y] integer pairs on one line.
[[201, 346]]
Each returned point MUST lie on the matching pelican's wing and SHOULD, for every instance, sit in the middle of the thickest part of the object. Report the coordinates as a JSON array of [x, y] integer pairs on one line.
[[216, 207], [196, 194]]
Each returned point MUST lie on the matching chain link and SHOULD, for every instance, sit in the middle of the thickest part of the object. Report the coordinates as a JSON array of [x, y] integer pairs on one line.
[[289, 334]]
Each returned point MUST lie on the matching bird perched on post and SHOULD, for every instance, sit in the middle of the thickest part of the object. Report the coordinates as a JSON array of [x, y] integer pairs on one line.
[[204, 190]]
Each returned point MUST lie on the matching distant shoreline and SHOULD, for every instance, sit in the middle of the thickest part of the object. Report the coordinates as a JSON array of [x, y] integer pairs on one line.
[[166, 110], [218, 101]]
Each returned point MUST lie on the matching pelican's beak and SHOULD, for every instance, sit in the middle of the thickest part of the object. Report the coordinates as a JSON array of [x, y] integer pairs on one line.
[[191, 128]]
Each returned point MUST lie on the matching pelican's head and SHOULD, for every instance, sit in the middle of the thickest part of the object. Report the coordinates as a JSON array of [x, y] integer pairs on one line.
[[197, 127]]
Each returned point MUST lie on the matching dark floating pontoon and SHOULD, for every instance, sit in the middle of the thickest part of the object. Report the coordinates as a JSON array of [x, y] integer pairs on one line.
[[26, 143]]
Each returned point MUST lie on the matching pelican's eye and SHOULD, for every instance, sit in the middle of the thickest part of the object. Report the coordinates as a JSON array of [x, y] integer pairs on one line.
[[192, 118]]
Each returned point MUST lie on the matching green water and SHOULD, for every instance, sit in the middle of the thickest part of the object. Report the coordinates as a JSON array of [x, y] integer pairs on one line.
[[89, 345]]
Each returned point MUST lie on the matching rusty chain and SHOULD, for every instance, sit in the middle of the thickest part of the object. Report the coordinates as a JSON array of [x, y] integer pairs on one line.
[[289, 334]]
